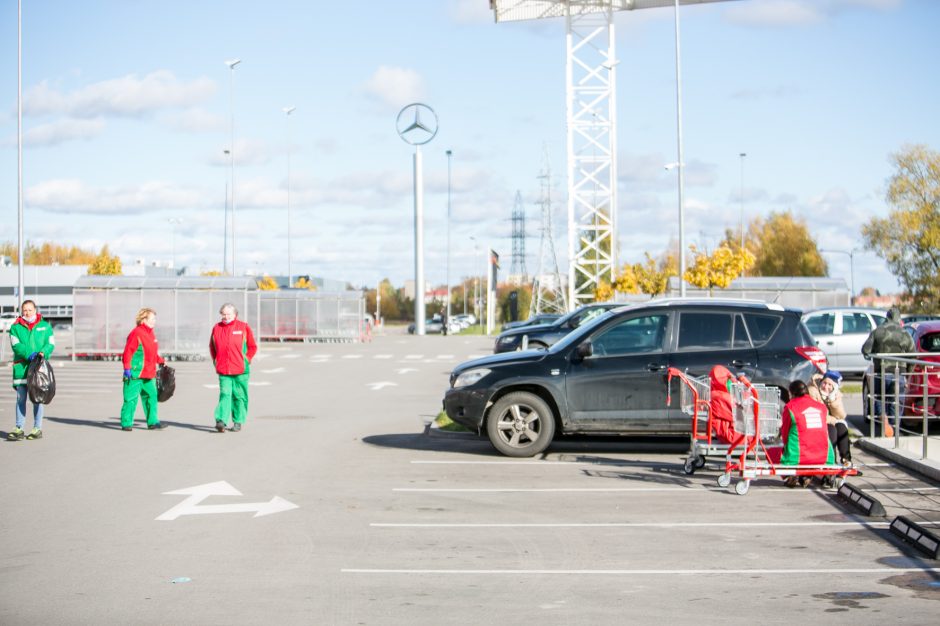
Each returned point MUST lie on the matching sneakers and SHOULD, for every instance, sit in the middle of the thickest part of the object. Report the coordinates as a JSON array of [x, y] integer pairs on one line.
[[16, 434], [236, 427], [220, 426], [127, 428], [34, 434], [157, 426]]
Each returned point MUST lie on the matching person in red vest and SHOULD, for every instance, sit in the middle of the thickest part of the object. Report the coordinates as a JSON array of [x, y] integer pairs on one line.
[[804, 432], [140, 360], [232, 347]]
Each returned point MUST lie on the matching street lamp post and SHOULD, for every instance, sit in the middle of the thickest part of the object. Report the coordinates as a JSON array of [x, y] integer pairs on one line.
[[741, 198], [680, 164], [173, 221], [449, 153], [225, 227], [231, 66], [851, 255], [290, 274]]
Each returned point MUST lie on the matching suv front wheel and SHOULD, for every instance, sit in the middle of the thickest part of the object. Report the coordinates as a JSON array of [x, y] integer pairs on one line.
[[520, 424]]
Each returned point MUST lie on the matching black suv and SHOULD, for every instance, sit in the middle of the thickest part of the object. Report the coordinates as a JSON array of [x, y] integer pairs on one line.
[[544, 335], [609, 375]]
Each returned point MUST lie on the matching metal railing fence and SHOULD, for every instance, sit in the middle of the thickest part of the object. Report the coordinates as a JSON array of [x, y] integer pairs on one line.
[[905, 388]]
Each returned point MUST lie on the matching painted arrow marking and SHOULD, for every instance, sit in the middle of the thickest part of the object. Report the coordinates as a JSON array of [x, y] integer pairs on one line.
[[377, 386], [195, 495]]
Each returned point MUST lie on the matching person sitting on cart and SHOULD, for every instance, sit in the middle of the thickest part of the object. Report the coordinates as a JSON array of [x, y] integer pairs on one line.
[[804, 433], [722, 406], [825, 388]]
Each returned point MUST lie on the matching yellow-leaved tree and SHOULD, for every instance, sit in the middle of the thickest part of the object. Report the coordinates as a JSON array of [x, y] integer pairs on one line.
[[717, 269], [266, 283], [650, 278], [304, 283], [211, 273], [105, 264]]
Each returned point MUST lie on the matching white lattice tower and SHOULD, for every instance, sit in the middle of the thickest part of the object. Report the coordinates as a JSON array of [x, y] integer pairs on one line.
[[517, 272], [548, 292], [590, 81]]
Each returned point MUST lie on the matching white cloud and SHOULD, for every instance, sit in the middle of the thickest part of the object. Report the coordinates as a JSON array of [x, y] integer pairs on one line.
[[196, 120], [128, 96], [54, 133], [247, 152], [395, 86], [74, 196]]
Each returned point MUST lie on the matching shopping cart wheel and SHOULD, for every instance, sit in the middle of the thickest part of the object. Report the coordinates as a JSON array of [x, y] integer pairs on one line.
[[838, 481], [699, 462], [689, 467], [741, 487], [724, 480]]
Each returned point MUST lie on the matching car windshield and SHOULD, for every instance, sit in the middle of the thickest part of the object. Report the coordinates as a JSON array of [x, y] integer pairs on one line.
[[585, 328]]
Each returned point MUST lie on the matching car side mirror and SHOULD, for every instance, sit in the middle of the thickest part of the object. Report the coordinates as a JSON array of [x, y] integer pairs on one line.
[[584, 350]]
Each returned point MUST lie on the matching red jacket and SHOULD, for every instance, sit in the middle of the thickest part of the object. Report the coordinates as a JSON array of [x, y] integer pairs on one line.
[[141, 354], [232, 347]]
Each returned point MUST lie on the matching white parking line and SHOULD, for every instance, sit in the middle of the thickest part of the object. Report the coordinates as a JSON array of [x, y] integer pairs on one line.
[[554, 463], [632, 524], [650, 572], [560, 490], [413, 357], [382, 356], [352, 356]]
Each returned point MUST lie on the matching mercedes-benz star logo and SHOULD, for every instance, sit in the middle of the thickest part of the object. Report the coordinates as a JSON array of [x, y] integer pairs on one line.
[[416, 124]]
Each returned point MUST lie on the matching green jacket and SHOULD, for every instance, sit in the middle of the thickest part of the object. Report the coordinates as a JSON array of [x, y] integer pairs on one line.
[[25, 341]]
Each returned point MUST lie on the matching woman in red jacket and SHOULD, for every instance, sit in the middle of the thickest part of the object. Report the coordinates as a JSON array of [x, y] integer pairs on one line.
[[232, 346], [141, 357]]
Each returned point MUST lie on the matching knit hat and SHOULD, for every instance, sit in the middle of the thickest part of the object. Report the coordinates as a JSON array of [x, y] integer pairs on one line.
[[835, 376]]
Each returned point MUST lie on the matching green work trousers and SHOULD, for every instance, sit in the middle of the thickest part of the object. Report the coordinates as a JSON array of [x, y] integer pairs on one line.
[[233, 399], [146, 389]]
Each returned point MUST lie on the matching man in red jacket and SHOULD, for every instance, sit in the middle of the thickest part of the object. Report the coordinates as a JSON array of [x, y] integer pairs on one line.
[[232, 347]]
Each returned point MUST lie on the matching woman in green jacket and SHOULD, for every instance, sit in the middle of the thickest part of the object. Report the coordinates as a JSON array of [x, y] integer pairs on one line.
[[29, 335]]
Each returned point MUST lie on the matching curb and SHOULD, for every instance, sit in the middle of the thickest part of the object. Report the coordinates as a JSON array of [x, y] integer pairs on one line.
[[927, 468]]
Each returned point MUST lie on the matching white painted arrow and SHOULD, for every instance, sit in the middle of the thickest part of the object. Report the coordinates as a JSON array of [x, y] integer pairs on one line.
[[377, 386], [190, 506]]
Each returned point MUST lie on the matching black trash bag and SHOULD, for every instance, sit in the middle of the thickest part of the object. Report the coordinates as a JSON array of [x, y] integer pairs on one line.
[[166, 383], [40, 380]]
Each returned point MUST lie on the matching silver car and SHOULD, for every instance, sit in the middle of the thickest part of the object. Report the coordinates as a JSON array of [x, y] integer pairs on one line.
[[841, 332]]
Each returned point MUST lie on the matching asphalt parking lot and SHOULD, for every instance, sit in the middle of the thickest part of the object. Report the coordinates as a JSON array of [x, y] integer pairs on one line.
[[338, 505]]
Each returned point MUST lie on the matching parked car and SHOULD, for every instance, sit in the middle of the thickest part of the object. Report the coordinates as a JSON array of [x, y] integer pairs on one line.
[[841, 332], [926, 337], [542, 336], [608, 376], [535, 320], [6, 320], [910, 318]]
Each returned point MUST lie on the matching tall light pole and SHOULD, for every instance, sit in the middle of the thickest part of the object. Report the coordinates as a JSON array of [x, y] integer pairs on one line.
[[741, 198], [231, 66], [449, 153], [225, 228], [173, 221], [20, 280], [290, 274], [680, 164], [851, 255]]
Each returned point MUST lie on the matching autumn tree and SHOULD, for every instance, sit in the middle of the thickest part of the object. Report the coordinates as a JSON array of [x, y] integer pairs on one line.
[[651, 278], [210, 273], [266, 283], [105, 264], [389, 301], [48, 253], [781, 245], [909, 238], [717, 269], [523, 301], [304, 283]]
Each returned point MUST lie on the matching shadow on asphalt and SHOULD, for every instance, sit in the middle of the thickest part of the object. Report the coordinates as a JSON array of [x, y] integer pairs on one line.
[[114, 423], [574, 448]]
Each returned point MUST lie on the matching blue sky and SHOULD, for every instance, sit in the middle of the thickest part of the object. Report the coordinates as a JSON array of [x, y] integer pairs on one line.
[[127, 116]]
